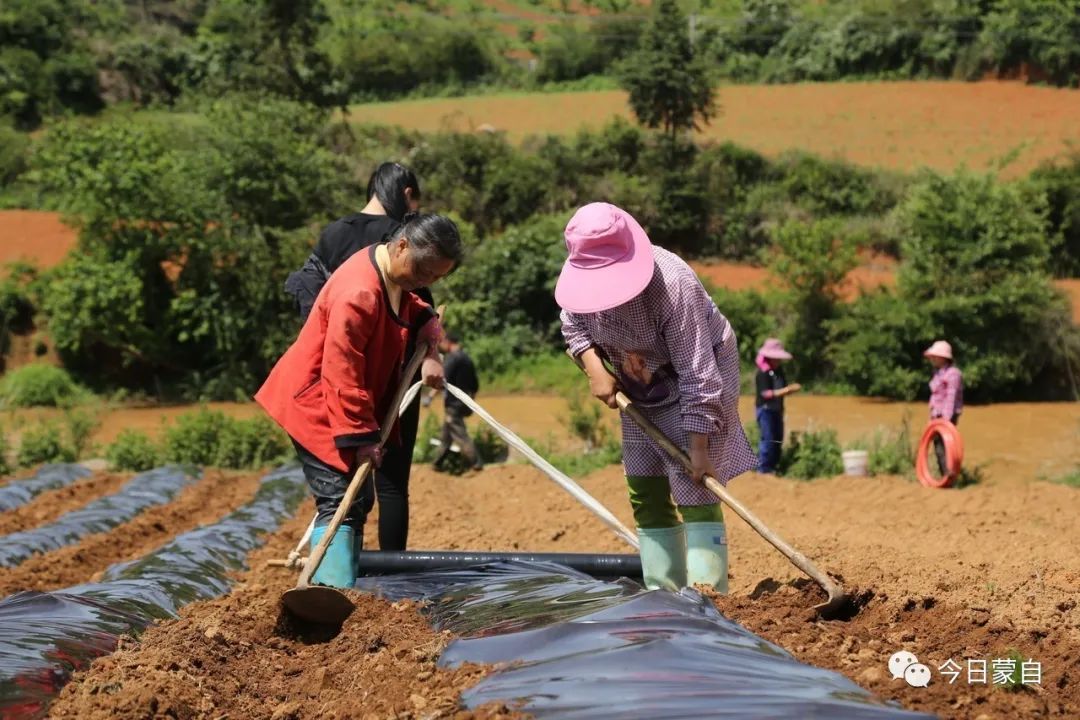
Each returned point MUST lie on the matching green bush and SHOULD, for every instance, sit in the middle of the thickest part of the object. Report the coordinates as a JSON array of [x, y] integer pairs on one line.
[[251, 444], [424, 451], [812, 261], [175, 302], [44, 443], [1071, 479], [975, 258], [579, 464], [16, 305], [14, 154], [974, 271], [80, 426], [829, 187], [586, 421], [38, 385], [753, 435], [876, 344], [750, 316], [811, 454], [193, 438], [1061, 185], [491, 447], [506, 290], [132, 450], [210, 438]]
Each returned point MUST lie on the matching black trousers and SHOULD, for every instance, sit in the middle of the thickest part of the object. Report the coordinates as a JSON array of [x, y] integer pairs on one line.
[[939, 448], [390, 486]]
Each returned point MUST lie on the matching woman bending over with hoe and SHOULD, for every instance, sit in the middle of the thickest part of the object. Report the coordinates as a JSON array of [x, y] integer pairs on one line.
[[643, 310], [330, 390]]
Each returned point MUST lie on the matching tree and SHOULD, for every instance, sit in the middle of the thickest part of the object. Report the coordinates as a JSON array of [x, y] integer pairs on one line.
[[667, 80], [183, 250], [811, 261], [974, 272], [266, 46]]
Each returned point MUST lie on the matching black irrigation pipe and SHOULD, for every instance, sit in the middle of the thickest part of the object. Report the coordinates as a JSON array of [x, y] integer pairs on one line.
[[48, 477], [143, 491], [597, 565], [46, 637]]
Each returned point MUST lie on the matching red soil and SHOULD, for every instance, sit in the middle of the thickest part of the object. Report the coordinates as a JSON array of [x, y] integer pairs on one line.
[[36, 236]]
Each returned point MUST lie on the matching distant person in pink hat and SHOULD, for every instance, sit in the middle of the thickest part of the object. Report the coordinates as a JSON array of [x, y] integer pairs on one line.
[[946, 392], [642, 309], [771, 388]]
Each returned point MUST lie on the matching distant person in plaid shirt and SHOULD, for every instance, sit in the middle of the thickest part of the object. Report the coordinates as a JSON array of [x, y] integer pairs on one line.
[[946, 393], [643, 310]]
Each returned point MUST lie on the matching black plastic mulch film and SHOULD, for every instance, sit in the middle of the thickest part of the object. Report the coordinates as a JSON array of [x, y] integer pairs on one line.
[[48, 477], [584, 648], [45, 637], [579, 647], [145, 490]]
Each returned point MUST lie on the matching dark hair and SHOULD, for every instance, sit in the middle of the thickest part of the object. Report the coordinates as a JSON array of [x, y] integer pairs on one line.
[[388, 183], [432, 236], [451, 336]]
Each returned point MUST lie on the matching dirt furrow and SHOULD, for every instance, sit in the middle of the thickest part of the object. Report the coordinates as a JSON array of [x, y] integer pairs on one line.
[[216, 494], [51, 504], [237, 657]]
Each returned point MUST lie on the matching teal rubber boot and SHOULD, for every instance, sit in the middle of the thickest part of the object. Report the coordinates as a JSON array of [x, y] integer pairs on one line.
[[338, 566], [706, 555], [663, 557]]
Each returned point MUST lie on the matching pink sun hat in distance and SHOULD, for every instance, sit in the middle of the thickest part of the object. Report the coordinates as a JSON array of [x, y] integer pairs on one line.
[[610, 260], [774, 350], [940, 349]]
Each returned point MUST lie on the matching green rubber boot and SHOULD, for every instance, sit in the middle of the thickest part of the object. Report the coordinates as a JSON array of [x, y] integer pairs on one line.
[[706, 555], [338, 566], [663, 557]]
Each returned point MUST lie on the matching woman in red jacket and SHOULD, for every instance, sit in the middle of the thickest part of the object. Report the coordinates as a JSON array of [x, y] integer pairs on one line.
[[333, 385]]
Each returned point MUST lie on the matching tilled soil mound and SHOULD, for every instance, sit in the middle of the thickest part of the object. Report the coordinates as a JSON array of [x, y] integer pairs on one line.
[[51, 504], [240, 657], [860, 648], [205, 501]]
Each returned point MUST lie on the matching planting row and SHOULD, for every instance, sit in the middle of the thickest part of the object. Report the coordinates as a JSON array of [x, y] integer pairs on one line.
[[145, 490], [45, 637]]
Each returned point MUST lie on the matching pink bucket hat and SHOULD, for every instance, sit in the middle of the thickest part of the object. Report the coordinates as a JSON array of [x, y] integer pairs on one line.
[[610, 262], [774, 350], [940, 349]]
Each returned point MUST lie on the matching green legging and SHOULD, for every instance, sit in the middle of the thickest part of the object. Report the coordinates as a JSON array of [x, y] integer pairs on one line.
[[650, 499]]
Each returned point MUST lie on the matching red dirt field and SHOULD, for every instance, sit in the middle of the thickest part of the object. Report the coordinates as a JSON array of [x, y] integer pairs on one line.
[[34, 235], [967, 574], [895, 125]]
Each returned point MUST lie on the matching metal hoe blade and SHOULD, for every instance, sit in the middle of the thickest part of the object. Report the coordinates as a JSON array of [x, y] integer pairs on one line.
[[318, 604]]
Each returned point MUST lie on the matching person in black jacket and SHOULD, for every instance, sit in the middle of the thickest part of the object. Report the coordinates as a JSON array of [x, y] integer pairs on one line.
[[393, 193], [458, 370]]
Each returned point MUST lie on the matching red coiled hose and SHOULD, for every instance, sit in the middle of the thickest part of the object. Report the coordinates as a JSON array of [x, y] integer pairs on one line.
[[954, 454]]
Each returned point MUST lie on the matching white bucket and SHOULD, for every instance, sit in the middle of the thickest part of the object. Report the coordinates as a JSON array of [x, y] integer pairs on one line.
[[856, 462]]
